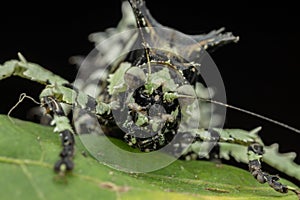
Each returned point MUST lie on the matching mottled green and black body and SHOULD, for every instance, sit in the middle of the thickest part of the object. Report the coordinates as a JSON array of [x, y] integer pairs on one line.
[[156, 74], [145, 87]]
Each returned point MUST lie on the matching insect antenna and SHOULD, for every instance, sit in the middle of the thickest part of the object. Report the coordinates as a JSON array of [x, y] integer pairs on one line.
[[21, 99], [252, 113], [142, 26]]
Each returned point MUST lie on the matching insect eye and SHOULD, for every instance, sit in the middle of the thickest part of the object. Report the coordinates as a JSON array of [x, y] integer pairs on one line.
[[134, 77]]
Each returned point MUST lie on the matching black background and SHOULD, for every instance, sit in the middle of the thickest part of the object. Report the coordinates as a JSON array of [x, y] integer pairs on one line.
[[261, 72]]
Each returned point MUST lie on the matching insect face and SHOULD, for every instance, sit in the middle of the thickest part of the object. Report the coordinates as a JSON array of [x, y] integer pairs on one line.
[[153, 103]]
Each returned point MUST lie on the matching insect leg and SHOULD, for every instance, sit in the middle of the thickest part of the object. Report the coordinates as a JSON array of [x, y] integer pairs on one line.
[[255, 154], [215, 39], [87, 104], [63, 127], [51, 98], [240, 138], [29, 71]]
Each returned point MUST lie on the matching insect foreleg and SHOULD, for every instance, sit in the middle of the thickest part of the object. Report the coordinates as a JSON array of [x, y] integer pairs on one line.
[[29, 71], [63, 127], [52, 98], [255, 154], [228, 139]]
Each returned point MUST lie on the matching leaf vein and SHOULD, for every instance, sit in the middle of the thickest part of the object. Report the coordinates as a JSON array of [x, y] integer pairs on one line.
[[39, 193]]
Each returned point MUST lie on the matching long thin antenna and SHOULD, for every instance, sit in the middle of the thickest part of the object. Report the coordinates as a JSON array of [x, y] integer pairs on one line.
[[252, 113], [21, 98], [141, 25]]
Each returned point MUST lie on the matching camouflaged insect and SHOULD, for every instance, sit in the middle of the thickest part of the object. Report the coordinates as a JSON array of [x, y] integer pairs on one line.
[[157, 89]]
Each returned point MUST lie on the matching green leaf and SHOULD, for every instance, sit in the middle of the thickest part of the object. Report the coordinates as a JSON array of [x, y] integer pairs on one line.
[[29, 150]]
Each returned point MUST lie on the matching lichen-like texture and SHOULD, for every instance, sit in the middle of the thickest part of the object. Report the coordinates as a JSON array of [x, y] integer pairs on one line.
[[28, 151]]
